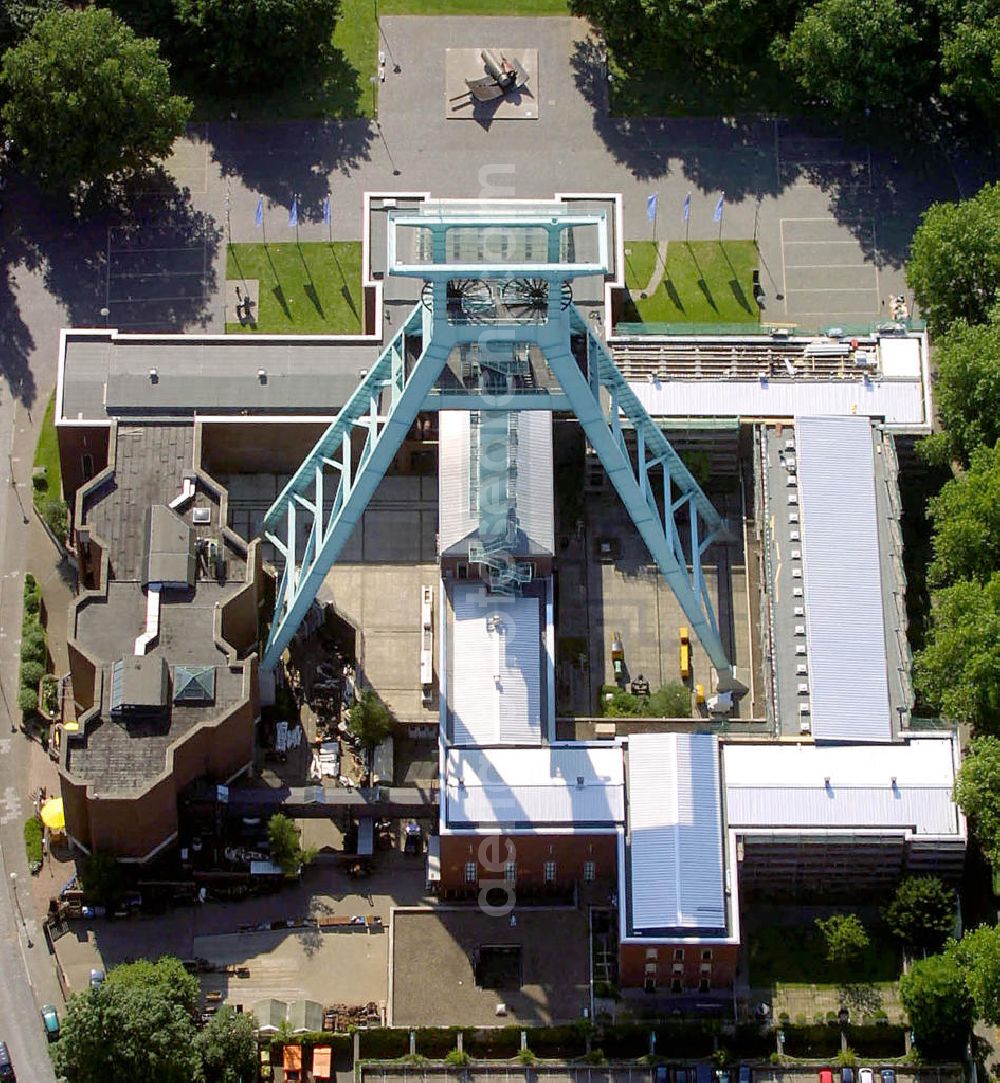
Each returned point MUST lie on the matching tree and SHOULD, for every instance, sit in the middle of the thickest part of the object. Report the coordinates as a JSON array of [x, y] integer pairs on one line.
[[259, 42], [977, 793], [938, 1003], [966, 517], [17, 17], [854, 54], [958, 670], [286, 848], [954, 266], [967, 390], [88, 102], [165, 976], [122, 1031], [970, 53], [101, 880], [672, 700], [921, 913], [845, 936], [227, 1047], [978, 956], [369, 719]]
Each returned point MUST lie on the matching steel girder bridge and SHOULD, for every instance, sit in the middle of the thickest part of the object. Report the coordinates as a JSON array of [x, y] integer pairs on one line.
[[497, 282]]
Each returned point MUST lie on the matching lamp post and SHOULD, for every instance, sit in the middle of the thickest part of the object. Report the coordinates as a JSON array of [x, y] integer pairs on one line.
[[20, 912], [374, 82]]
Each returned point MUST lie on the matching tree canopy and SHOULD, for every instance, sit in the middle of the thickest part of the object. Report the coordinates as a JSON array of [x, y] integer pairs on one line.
[[854, 54], [88, 102], [939, 1005], [958, 670], [970, 53], [672, 700], [954, 266], [846, 938], [227, 1047], [370, 720], [922, 912], [125, 1031], [977, 792], [166, 976], [17, 17], [237, 46], [966, 390], [966, 517], [286, 845], [978, 956]]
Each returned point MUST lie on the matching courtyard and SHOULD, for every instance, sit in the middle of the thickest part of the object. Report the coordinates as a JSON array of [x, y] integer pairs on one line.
[[434, 963]]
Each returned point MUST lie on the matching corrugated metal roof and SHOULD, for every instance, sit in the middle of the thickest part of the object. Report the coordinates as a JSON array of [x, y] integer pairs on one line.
[[845, 621], [527, 488], [494, 667], [532, 787], [675, 862], [899, 402], [896, 786]]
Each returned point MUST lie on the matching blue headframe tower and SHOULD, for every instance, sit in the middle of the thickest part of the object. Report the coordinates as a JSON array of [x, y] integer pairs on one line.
[[497, 288]]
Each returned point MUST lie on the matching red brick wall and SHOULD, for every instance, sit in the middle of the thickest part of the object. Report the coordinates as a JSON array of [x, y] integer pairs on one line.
[[530, 853], [74, 443], [657, 961]]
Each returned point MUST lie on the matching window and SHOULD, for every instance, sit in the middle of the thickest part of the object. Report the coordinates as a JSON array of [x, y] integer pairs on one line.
[[510, 872], [704, 985], [652, 953], [589, 871], [649, 985], [471, 872], [676, 986], [678, 955], [678, 968], [706, 955], [706, 968], [549, 871], [87, 465]]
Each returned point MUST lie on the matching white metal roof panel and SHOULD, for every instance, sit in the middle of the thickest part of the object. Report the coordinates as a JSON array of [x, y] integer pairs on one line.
[[676, 874], [554, 786], [845, 621], [528, 485], [804, 786], [494, 668], [899, 402]]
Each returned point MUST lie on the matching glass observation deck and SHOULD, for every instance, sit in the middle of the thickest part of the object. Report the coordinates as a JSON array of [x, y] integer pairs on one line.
[[497, 240]]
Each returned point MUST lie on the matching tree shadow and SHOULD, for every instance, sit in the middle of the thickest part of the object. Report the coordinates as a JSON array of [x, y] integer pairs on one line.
[[739, 295], [64, 247], [289, 160], [314, 297], [707, 293]]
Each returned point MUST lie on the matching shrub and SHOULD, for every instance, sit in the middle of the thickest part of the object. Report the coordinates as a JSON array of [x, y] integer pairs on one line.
[[527, 1058], [457, 1058], [55, 512], [31, 673], [595, 1057], [27, 700], [33, 833], [50, 693], [33, 646], [32, 603]]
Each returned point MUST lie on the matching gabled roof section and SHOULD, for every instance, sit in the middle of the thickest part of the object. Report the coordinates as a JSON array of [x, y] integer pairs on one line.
[[675, 871]]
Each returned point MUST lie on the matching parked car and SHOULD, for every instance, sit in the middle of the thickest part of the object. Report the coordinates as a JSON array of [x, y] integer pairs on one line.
[[96, 978], [6, 1065], [846, 1075], [825, 1075], [866, 1075], [888, 1075], [745, 1075], [50, 1020]]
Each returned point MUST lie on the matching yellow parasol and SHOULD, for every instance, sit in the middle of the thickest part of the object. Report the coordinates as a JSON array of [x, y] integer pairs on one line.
[[53, 815]]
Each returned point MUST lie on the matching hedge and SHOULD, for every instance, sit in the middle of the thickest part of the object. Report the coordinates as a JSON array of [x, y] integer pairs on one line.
[[625, 1042], [682, 1040], [437, 1042], [561, 1041], [884, 1040], [33, 832], [383, 1043], [817, 1040], [496, 1044]]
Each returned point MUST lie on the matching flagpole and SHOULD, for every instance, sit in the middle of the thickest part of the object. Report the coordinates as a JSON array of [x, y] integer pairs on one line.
[[687, 218]]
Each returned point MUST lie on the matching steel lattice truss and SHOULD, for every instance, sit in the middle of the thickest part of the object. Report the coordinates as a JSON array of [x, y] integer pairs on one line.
[[318, 510]]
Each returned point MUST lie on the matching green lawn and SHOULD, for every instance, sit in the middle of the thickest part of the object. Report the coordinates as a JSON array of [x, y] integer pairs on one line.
[[795, 954], [340, 88], [304, 288], [705, 282], [47, 455]]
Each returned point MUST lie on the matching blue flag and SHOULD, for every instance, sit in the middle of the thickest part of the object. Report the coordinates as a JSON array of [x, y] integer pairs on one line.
[[259, 219], [651, 202], [326, 211], [293, 214], [717, 217], [687, 206]]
